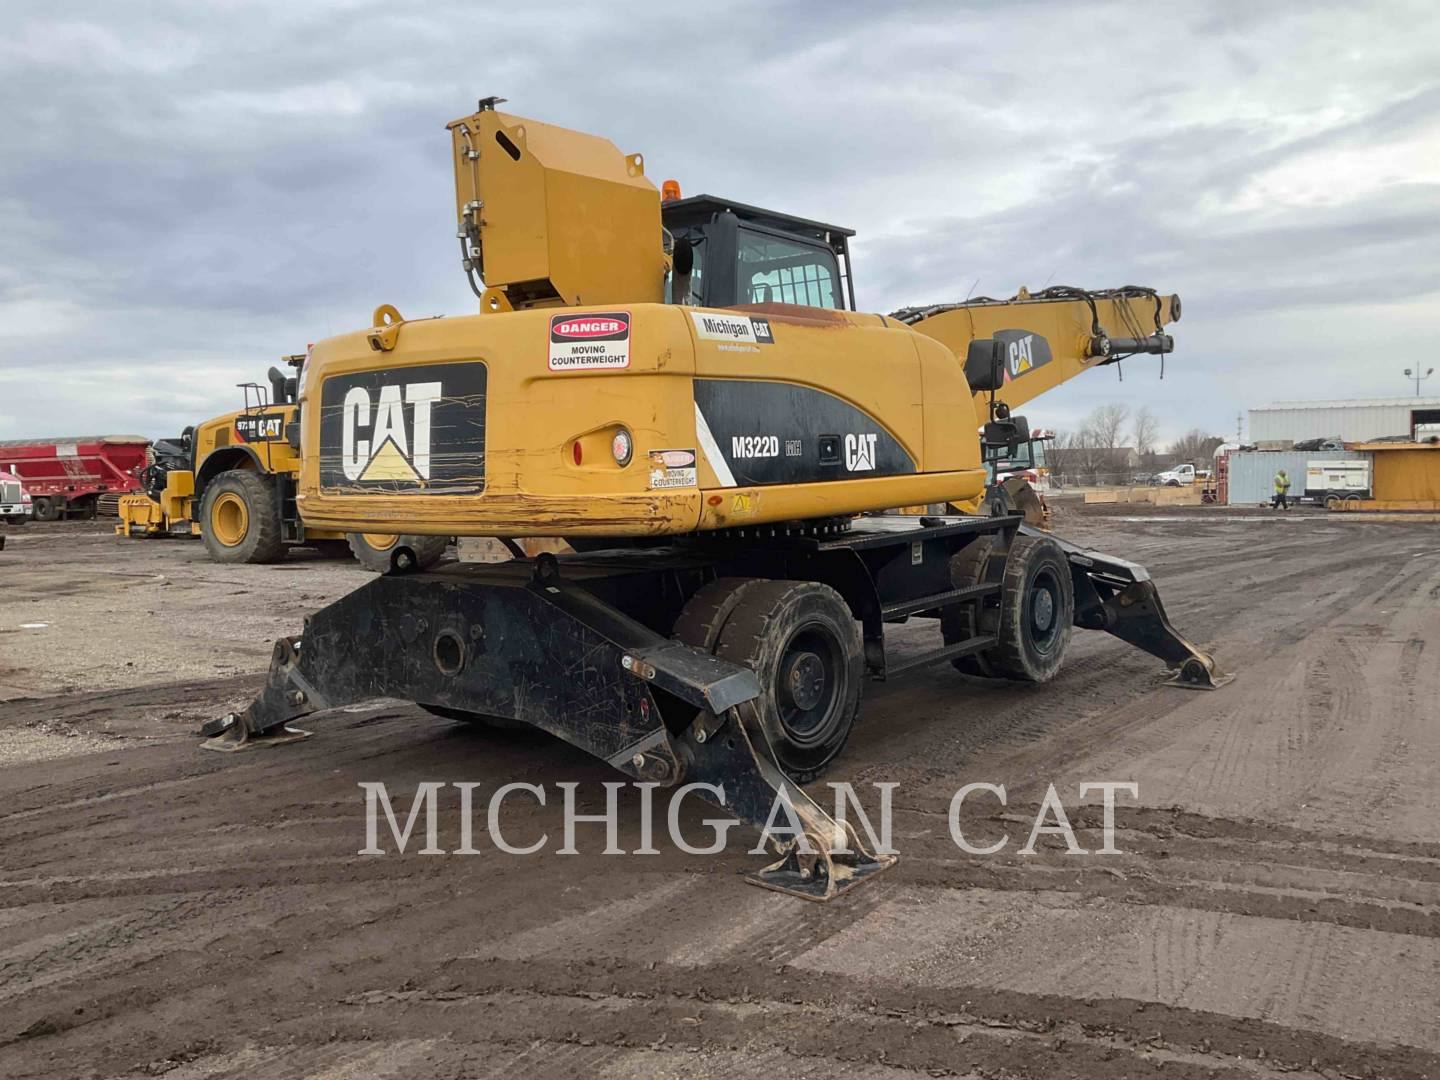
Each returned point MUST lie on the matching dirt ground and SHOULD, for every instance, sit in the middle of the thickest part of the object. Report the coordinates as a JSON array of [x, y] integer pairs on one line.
[[1275, 908]]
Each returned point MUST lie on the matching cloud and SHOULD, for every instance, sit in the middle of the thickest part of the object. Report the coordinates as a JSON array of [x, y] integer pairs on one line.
[[188, 193]]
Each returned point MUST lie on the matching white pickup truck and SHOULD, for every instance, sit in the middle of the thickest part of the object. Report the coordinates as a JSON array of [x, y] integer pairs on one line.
[[1181, 474], [14, 499]]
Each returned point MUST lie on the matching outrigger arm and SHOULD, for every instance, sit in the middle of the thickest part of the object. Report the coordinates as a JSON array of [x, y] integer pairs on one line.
[[518, 641]]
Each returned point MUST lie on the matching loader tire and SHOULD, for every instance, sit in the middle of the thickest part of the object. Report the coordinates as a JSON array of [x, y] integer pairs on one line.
[[377, 551], [240, 519], [801, 640], [1037, 611]]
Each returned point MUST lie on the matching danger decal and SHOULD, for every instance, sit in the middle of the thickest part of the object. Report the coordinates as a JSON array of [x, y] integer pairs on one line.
[[672, 469], [420, 427], [598, 341]]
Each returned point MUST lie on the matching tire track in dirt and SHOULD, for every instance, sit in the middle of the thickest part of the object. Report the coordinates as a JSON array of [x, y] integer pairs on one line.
[[326, 963], [979, 1010]]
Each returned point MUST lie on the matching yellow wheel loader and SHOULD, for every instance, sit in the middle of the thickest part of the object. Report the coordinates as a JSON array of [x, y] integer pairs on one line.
[[231, 481], [685, 391]]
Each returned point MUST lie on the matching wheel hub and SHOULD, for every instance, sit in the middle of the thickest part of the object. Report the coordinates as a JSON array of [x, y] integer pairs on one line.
[[1042, 610], [803, 681], [230, 519]]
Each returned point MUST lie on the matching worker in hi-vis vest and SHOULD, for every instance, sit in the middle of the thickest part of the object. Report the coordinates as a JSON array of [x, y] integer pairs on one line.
[[1282, 490]]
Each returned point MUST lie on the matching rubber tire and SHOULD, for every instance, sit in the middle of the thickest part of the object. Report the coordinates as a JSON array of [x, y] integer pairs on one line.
[[1172, 483], [46, 509], [1017, 655], [705, 614], [764, 618], [428, 550], [264, 541], [968, 567]]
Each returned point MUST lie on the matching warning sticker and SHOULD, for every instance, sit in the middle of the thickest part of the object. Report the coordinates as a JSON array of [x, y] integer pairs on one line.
[[672, 469], [743, 328], [591, 342]]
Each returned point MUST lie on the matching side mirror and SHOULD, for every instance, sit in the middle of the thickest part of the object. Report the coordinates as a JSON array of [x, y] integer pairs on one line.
[[985, 364], [998, 433], [1008, 433]]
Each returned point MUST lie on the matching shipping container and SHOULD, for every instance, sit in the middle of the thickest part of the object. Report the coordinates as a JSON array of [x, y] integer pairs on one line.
[[1250, 477], [1348, 421]]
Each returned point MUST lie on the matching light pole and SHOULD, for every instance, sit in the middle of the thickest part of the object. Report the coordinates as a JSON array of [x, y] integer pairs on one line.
[[1415, 374]]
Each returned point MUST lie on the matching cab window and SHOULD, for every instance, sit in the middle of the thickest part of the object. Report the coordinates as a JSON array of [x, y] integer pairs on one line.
[[777, 271]]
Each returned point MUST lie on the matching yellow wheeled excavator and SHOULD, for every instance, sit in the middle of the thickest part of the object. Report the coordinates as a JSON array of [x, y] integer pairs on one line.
[[684, 390]]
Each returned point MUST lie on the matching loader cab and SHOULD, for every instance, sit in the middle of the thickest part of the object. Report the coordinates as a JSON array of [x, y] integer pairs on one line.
[[727, 254]]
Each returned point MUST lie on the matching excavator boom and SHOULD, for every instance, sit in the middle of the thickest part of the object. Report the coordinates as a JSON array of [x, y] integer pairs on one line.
[[1044, 339]]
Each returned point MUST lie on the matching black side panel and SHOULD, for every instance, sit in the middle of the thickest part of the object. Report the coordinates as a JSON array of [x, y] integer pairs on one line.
[[412, 428], [780, 433]]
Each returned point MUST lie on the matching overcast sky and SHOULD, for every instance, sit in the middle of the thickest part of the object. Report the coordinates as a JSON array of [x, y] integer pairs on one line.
[[188, 191]]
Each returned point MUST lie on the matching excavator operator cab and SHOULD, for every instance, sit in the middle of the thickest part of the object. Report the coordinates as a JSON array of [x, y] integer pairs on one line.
[[727, 253]]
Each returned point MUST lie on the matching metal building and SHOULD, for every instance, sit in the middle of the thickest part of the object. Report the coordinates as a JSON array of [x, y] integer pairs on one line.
[[1349, 421], [1252, 472]]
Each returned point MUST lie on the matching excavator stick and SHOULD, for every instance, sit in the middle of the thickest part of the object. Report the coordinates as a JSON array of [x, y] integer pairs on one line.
[[520, 642]]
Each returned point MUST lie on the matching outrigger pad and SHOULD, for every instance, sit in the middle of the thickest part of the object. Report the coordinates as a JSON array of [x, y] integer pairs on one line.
[[823, 880], [235, 737], [1197, 674], [835, 862]]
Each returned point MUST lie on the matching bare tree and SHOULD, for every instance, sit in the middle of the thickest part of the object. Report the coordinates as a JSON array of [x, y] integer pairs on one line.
[[1103, 427], [1102, 432], [1061, 457], [1195, 446], [1144, 430]]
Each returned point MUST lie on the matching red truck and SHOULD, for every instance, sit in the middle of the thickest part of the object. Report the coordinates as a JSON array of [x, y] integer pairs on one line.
[[68, 477]]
